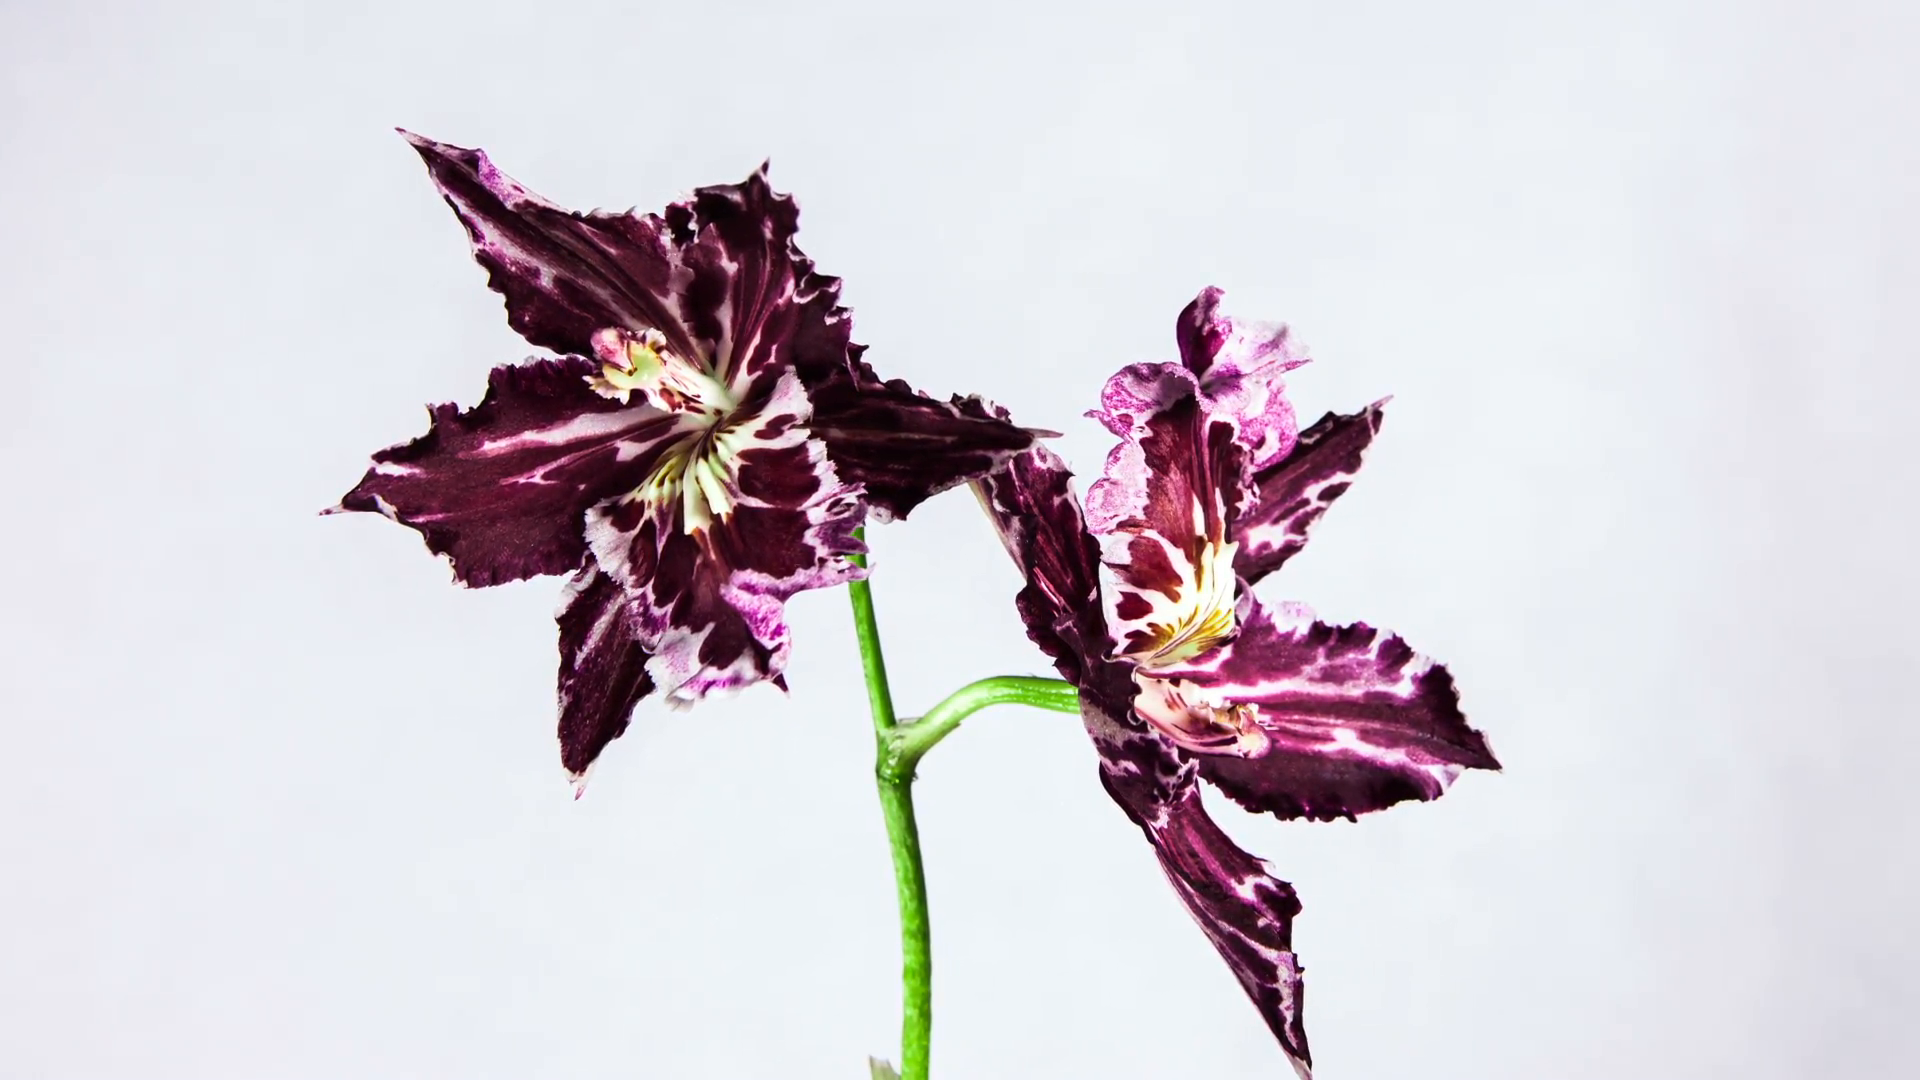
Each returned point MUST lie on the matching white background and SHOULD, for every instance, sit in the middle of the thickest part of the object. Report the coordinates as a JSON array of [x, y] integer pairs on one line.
[[277, 800]]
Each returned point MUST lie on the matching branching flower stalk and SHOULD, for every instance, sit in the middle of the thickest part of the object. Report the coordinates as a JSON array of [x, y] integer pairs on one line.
[[898, 748]]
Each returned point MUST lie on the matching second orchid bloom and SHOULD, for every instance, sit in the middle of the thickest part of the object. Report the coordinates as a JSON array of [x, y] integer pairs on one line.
[[1145, 602]]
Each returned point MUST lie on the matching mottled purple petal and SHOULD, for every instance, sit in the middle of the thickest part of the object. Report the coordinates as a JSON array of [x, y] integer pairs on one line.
[[1239, 363], [1242, 908], [1354, 720], [501, 488], [1296, 490], [1161, 511], [564, 274], [734, 522], [755, 303], [718, 275], [902, 446], [1031, 502], [603, 667]]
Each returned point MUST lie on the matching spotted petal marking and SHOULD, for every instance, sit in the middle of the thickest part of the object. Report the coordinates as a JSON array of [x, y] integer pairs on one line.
[[501, 488], [1354, 720], [1161, 511], [1239, 364], [740, 518], [1296, 490], [1234, 898]]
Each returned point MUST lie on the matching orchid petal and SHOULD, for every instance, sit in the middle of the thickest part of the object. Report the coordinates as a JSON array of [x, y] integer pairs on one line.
[[1238, 364], [718, 275], [1353, 719], [1296, 490], [1242, 908], [1031, 502], [564, 274], [603, 668], [501, 488], [902, 446]]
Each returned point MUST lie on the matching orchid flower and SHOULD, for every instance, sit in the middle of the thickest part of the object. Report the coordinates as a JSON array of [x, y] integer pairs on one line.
[[1145, 603], [705, 444]]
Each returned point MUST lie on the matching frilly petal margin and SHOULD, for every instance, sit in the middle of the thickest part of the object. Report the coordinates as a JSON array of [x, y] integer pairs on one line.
[[1239, 364], [1234, 898], [564, 274], [1296, 491], [718, 275], [710, 595], [1031, 502], [754, 303], [501, 488], [603, 667], [902, 446], [1354, 719]]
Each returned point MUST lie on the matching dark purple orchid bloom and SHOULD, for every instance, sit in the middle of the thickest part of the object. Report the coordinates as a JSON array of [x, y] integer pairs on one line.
[[1146, 604], [703, 447]]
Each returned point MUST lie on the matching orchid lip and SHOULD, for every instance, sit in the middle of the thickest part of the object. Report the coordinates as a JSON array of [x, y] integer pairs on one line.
[[1200, 615], [1195, 720]]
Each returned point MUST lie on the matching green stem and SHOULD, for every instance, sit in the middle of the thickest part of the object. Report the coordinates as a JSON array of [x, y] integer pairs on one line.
[[898, 748], [911, 741], [903, 836]]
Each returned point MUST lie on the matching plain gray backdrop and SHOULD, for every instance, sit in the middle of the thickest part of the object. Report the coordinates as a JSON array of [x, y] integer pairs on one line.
[[278, 800]]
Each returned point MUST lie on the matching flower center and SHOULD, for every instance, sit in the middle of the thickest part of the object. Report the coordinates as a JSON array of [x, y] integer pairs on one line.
[[1201, 617], [642, 364], [699, 471]]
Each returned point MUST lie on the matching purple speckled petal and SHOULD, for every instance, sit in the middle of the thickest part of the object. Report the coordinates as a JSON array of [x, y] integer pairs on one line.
[[1243, 909], [603, 668], [1031, 502], [754, 302], [718, 275], [1161, 511], [1239, 364], [1296, 490], [902, 446], [564, 274], [501, 488], [733, 523], [1353, 719]]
